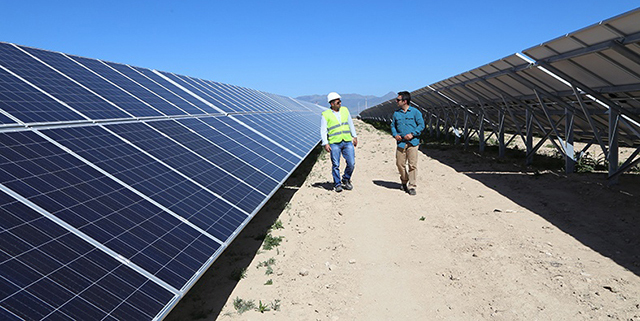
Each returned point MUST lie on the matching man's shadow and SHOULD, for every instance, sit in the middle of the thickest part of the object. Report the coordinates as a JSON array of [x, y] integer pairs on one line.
[[326, 185], [389, 185]]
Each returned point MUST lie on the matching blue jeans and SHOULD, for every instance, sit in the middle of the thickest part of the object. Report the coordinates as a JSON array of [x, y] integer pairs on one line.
[[349, 154]]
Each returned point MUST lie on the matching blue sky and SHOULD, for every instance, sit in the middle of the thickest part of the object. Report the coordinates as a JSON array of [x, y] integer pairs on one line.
[[297, 48]]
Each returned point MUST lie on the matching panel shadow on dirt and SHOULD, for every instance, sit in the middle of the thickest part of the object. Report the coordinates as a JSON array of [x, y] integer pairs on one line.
[[602, 217]]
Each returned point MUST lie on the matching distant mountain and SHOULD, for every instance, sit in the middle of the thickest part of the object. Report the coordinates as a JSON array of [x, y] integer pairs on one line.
[[354, 102]]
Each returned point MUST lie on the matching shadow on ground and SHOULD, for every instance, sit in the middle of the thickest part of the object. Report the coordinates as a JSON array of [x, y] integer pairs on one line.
[[608, 221], [387, 184], [207, 297], [326, 185]]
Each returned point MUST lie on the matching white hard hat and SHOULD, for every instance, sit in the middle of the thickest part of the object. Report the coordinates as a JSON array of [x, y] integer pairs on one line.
[[332, 95]]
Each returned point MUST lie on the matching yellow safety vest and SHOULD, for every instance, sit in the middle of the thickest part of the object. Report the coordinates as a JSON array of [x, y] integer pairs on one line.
[[338, 131]]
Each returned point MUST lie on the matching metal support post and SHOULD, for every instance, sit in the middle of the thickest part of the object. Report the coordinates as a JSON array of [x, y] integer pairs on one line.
[[503, 147], [613, 145], [529, 142], [466, 129], [481, 131], [569, 158]]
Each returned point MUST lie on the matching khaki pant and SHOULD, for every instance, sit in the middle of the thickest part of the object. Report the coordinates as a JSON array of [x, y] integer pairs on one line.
[[409, 154]]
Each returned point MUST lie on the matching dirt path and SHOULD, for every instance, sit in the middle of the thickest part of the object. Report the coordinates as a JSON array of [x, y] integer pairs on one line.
[[481, 240]]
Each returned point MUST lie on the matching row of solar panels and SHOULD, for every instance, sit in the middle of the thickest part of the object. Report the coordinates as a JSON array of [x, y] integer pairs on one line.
[[572, 85], [121, 185]]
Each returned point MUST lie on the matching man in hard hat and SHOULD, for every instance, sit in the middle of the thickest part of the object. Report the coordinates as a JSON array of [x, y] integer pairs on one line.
[[406, 126], [339, 137]]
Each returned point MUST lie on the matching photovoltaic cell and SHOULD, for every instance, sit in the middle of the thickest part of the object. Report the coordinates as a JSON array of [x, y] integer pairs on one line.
[[234, 99], [241, 145], [46, 272], [284, 104], [184, 161], [292, 105], [25, 102], [98, 85], [223, 98], [172, 97], [152, 178], [28, 104], [240, 97], [226, 160], [273, 126], [200, 107], [101, 208], [125, 83], [4, 120], [206, 93], [58, 86], [246, 134]]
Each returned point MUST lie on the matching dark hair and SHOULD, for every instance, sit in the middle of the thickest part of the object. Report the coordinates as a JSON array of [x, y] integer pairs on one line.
[[405, 96]]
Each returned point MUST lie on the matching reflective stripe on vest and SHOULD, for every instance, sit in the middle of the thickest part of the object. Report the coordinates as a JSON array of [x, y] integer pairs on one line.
[[337, 131]]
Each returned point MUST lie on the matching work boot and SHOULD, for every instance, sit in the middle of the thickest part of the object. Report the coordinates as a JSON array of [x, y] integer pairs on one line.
[[338, 188], [347, 184], [412, 191]]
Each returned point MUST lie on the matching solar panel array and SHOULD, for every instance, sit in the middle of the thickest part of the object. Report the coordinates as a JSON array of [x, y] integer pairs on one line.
[[583, 87], [120, 185]]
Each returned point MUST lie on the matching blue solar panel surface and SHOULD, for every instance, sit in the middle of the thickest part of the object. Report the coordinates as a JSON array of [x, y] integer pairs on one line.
[[115, 220], [196, 107], [259, 155], [292, 126], [206, 93], [160, 106], [246, 135], [58, 86], [28, 104], [244, 98], [209, 175], [118, 98], [48, 272], [183, 105], [102, 208], [206, 149], [152, 178]]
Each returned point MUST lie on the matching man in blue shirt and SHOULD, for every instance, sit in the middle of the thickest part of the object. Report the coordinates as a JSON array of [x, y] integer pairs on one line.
[[406, 126]]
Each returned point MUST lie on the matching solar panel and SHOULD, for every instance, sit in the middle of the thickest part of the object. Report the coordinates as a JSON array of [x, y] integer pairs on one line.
[[208, 174], [196, 106], [584, 86], [204, 92], [102, 208], [273, 126], [58, 86], [244, 97], [242, 146], [150, 104], [48, 272], [118, 98], [184, 106], [257, 143], [152, 178], [206, 149], [121, 185], [28, 104]]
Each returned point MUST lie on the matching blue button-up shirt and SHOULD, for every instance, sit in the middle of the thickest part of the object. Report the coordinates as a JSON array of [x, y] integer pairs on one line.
[[403, 123]]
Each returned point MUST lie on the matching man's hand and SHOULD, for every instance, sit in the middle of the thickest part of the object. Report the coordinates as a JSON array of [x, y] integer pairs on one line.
[[398, 138], [355, 141], [327, 147], [408, 136]]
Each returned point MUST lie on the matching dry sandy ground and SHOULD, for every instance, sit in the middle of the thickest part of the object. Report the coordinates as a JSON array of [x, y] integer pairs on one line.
[[484, 239]]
